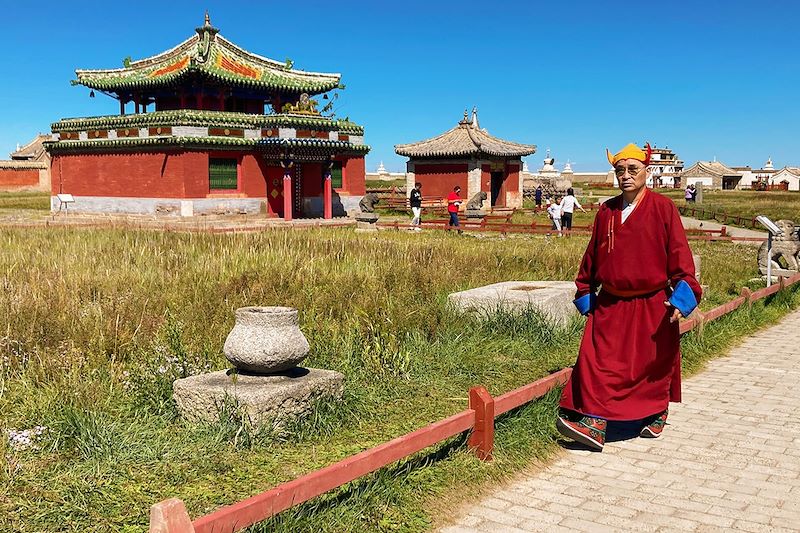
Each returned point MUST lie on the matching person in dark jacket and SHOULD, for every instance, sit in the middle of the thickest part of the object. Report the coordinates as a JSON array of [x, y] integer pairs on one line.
[[415, 201], [537, 196]]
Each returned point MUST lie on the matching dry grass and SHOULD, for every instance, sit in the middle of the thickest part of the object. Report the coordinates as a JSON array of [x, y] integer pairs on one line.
[[97, 324]]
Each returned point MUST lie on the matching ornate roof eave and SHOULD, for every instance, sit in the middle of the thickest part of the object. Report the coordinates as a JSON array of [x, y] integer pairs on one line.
[[217, 58], [114, 86], [222, 143], [192, 117]]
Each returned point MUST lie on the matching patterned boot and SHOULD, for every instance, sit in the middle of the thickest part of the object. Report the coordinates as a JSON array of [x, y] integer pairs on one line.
[[653, 429], [588, 430]]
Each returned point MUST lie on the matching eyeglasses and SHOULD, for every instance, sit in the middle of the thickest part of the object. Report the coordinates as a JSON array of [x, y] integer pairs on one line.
[[632, 170]]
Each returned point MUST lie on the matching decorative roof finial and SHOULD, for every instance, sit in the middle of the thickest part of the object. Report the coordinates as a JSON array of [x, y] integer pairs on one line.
[[475, 117], [208, 19], [465, 114]]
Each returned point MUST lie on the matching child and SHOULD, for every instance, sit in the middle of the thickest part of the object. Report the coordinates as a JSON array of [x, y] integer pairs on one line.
[[554, 212]]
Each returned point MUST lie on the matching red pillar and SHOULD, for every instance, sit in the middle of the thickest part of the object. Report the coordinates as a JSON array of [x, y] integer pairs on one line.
[[121, 106], [327, 194], [287, 190]]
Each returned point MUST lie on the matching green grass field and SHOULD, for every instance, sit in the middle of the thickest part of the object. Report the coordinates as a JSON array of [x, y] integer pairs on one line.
[[746, 204], [98, 323], [16, 201]]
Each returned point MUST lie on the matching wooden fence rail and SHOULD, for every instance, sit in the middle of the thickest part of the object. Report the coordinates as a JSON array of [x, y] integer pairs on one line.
[[170, 516]]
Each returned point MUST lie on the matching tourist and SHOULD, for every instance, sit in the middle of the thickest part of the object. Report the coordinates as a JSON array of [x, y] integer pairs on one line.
[[628, 366], [568, 205], [688, 195], [453, 203], [694, 193], [554, 212], [537, 197], [415, 201]]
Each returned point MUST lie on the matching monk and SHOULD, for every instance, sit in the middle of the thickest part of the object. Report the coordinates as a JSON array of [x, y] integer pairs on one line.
[[629, 366]]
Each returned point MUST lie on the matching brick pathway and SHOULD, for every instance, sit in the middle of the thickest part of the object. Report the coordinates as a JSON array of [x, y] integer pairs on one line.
[[728, 460]]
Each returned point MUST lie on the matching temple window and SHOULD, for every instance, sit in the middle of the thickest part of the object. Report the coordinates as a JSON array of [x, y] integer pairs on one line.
[[336, 175], [223, 174]]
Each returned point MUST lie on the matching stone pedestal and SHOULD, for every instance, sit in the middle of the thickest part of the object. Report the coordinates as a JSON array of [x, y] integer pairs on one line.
[[269, 400], [553, 298], [366, 222], [265, 345], [475, 214]]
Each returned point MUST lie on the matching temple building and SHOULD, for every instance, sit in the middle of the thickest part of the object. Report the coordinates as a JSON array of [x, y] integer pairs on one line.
[[471, 158], [28, 169], [210, 128], [711, 174]]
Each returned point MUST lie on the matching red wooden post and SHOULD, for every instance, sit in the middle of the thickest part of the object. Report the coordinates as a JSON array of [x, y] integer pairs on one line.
[[482, 437], [327, 194], [170, 516], [723, 232], [781, 283], [287, 189], [747, 294]]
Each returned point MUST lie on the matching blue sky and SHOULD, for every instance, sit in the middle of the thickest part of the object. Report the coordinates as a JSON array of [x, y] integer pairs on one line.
[[706, 78]]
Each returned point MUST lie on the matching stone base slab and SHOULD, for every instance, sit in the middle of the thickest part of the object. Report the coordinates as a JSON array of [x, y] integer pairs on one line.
[[553, 298], [269, 400]]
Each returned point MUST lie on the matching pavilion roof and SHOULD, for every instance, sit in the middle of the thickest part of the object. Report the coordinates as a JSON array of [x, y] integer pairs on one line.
[[208, 53], [33, 151], [710, 168], [466, 139]]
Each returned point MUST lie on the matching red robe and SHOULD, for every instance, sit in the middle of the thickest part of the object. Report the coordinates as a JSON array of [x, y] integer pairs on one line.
[[628, 366]]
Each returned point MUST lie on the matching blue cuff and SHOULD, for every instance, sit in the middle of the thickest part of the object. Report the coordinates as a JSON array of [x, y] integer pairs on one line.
[[683, 298], [585, 303]]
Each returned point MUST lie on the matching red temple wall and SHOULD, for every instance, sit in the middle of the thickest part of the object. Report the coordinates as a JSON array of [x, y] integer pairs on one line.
[[12, 178], [511, 183], [252, 177], [486, 178], [148, 175], [195, 173], [439, 180], [355, 175], [184, 175]]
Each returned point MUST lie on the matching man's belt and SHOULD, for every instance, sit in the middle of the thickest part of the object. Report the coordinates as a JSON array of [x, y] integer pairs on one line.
[[634, 293]]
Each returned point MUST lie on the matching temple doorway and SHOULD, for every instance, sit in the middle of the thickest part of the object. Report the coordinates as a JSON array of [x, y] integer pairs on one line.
[[497, 185]]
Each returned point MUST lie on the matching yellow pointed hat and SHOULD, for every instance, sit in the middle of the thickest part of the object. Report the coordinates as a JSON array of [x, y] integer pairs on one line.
[[631, 152]]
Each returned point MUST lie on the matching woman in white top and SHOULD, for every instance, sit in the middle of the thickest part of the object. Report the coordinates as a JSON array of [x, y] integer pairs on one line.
[[568, 204]]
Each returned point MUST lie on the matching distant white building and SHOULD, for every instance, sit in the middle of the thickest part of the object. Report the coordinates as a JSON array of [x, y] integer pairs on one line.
[[752, 176], [790, 176], [381, 174]]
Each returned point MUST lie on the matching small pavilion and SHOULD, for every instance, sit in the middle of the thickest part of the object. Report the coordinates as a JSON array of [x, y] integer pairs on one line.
[[471, 158], [210, 128]]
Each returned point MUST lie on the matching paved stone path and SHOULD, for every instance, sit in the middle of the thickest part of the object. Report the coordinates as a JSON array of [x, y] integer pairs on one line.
[[728, 460], [734, 231]]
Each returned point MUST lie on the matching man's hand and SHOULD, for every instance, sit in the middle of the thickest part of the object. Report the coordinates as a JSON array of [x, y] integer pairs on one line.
[[676, 314]]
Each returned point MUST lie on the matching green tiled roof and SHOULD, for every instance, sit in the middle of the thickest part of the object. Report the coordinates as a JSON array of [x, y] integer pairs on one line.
[[190, 117], [222, 143], [213, 56]]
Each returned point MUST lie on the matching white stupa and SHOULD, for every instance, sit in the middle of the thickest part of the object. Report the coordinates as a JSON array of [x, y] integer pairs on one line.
[[768, 164], [382, 169], [548, 169]]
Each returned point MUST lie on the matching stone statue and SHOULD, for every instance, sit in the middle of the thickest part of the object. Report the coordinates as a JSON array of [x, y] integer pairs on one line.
[[786, 246], [367, 203], [476, 202]]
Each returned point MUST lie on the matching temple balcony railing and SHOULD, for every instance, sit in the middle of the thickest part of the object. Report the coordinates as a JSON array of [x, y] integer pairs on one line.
[[208, 129]]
